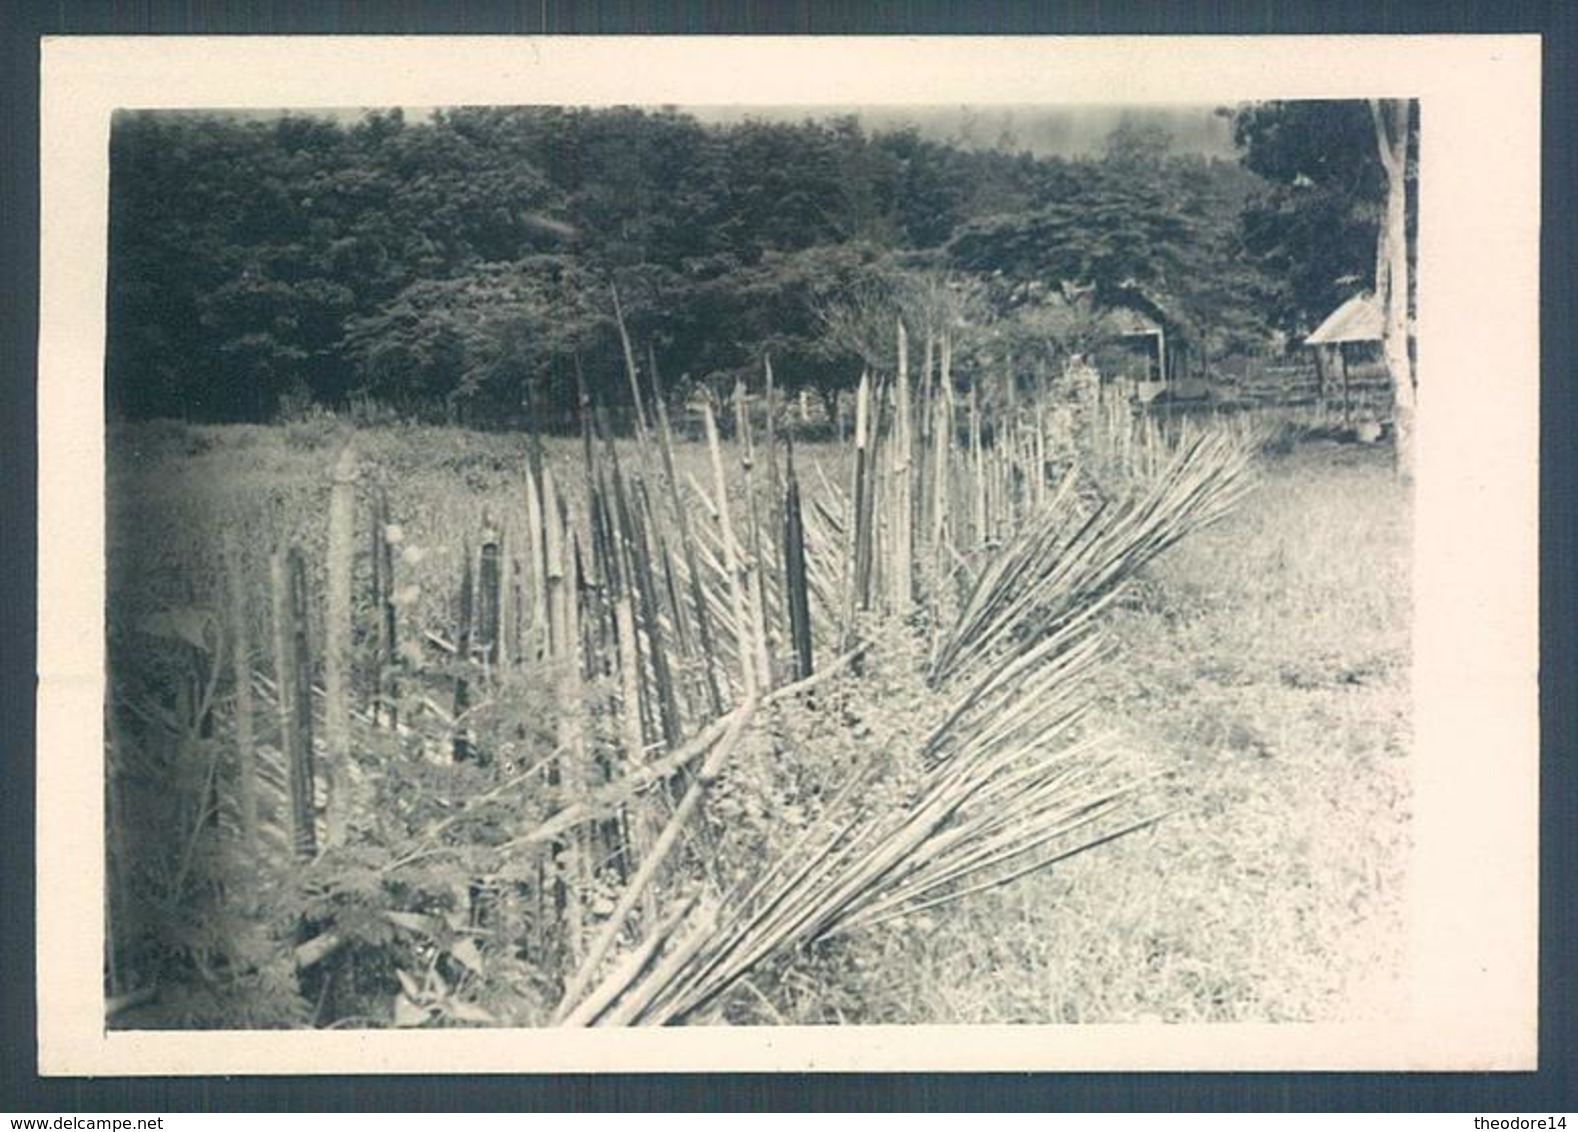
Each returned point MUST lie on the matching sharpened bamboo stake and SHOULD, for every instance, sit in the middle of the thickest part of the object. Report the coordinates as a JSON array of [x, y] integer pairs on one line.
[[490, 602], [293, 679], [498, 604], [772, 565], [754, 589], [241, 667], [554, 583], [902, 510], [337, 648], [774, 486], [568, 773], [635, 512], [694, 665], [977, 471], [704, 658], [796, 587], [632, 372], [461, 747], [537, 598], [733, 565], [942, 448], [1039, 477], [861, 534], [1010, 391], [628, 657], [386, 659], [629, 677]]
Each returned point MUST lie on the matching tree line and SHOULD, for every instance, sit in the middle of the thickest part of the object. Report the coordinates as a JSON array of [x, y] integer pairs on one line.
[[477, 264]]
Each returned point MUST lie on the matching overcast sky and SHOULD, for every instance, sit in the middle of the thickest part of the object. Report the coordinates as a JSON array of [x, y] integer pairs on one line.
[[1045, 130], [1063, 131]]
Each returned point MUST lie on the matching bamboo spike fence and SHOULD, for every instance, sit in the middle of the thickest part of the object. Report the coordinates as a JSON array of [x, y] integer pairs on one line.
[[293, 675], [241, 671], [665, 613]]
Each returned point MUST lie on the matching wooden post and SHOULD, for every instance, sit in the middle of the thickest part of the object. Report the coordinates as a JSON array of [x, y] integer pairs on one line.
[[616, 570], [903, 510], [772, 565], [293, 676], [1038, 481], [386, 689], [860, 526], [507, 639], [797, 589], [377, 595], [942, 448], [241, 666], [566, 773], [535, 600], [461, 748], [629, 676], [572, 733], [490, 603], [733, 564], [554, 570], [708, 658], [977, 469], [635, 510], [633, 374], [753, 558], [337, 648], [1342, 368]]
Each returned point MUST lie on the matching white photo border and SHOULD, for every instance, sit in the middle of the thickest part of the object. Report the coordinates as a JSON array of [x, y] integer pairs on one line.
[[1476, 762]]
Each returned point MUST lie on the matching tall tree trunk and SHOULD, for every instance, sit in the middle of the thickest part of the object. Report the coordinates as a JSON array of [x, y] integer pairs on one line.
[[1391, 284]]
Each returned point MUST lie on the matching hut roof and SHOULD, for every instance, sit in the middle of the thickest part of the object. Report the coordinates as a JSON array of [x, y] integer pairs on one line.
[[1357, 320], [1126, 321]]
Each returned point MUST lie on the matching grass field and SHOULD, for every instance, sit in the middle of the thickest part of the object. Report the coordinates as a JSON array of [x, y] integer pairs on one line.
[[1260, 676], [1263, 675]]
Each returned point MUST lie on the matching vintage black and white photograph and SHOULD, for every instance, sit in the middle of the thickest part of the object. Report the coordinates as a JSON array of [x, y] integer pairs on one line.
[[616, 563]]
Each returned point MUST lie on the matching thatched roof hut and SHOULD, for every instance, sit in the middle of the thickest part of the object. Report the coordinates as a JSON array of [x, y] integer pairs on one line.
[[1142, 340], [1359, 319], [1348, 357]]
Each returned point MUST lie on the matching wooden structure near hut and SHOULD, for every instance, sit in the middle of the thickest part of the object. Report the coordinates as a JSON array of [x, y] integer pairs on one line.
[[1133, 356], [1348, 358]]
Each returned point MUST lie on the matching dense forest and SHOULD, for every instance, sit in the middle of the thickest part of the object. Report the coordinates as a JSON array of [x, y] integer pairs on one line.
[[474, 266]]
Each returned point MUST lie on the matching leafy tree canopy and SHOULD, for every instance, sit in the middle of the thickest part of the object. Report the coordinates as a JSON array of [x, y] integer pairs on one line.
[[466, 263], [1312, 228]]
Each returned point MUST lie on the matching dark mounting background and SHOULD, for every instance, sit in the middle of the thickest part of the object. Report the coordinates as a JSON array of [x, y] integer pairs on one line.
[[21, 1090]]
